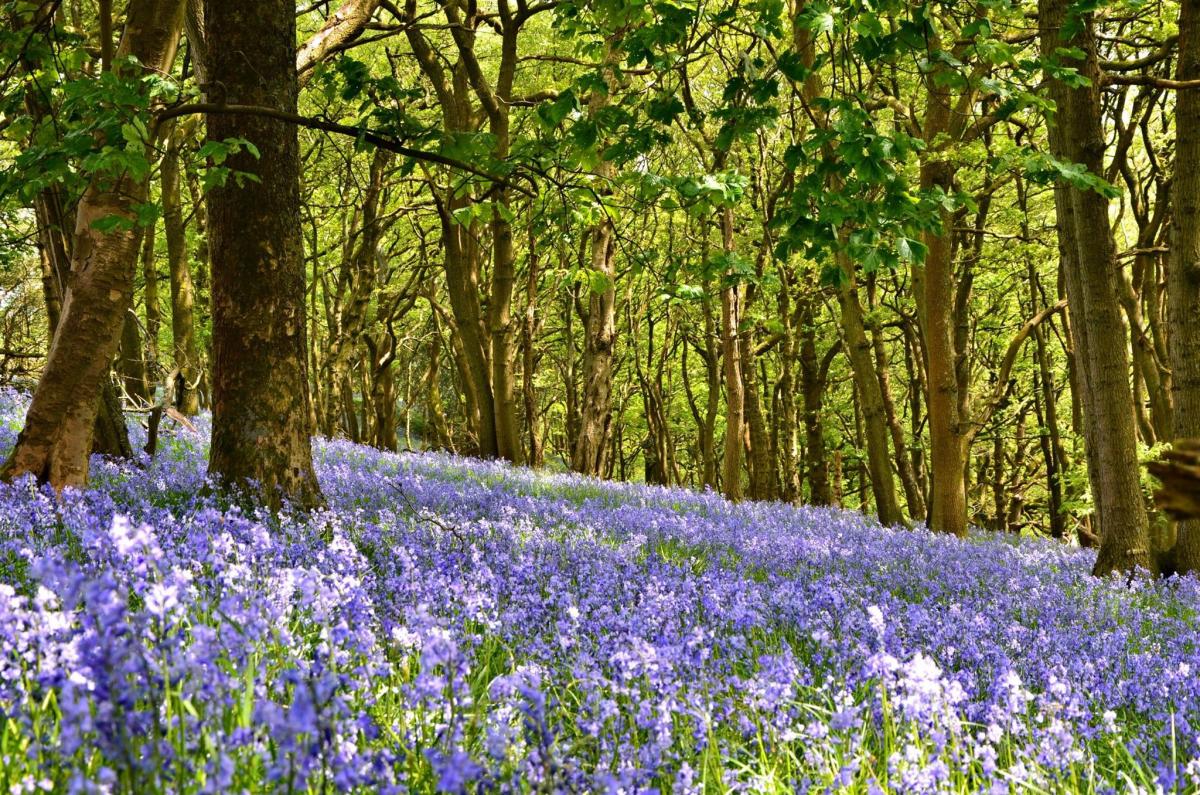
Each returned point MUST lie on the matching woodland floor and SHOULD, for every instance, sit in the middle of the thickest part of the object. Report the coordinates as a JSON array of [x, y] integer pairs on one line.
[[451, 625]]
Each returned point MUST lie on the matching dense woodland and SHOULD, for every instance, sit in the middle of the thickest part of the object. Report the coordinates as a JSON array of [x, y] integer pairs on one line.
[[939, 261]]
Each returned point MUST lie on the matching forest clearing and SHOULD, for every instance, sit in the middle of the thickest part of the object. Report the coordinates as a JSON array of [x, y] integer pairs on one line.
[[625, 396]]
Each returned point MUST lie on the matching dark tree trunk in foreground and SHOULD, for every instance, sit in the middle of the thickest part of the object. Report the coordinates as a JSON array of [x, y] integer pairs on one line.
[[260, 368], [1101, 341], [1183, 276], [56, 441]]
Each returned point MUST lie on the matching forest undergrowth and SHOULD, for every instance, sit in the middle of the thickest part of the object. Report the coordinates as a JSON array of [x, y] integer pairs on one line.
[[453, 625]]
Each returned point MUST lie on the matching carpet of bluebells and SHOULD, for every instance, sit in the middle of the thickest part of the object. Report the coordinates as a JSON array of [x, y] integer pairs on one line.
[[456, 626]]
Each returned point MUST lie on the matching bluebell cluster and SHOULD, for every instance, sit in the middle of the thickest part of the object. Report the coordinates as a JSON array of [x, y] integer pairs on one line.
[[454, 625]]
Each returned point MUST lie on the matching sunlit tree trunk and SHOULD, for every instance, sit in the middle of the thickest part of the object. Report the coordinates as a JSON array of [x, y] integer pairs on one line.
[[600, 334], [56, 440], [731, 356]]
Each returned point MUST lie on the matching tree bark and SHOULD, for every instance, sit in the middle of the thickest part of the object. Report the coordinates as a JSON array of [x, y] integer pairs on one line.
[[735, 399], [56, 441], [947, 426], [759, 456], [866, 381], [913, 496], [1076, 135], [712, 373], [260, 380], [183, 293], [340, 29], [813, 379], [790, 484], [1183, 275], [530, 356], [600, 334], [131, 366]]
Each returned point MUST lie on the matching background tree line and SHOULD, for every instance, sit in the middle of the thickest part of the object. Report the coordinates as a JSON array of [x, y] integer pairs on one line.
[[938, 261]]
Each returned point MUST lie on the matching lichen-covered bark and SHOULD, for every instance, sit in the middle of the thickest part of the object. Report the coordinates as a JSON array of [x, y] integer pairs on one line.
[[260, 380]]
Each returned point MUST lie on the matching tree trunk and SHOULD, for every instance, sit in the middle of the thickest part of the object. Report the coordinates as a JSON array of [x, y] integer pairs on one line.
[[1076, 135], [183, 294], [760, 457], [595, 422], [57, 438], [1183, 275], [356, 287], [530, 356], [131, 366], [340, 29], [111, 435], [866, 381], [712, 373], [436, 416], [382, 387], [913, 495], [1050, 437], [786, 435], [260, 368], [812, 390], [947, 426], [500, 328], [735, 399]]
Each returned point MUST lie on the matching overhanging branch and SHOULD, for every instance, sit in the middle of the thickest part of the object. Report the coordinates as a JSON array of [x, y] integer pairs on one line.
[[1010, 358], [1151, 81], [373, 138]]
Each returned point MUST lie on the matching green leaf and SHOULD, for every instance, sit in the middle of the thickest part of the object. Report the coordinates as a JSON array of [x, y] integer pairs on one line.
[[833, 276], [599, 282], [910, 250], [981, 28], [112, 223], [552, 113]]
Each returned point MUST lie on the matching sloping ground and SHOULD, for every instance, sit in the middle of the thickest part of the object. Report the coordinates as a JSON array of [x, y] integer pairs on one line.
[[457, 625]]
